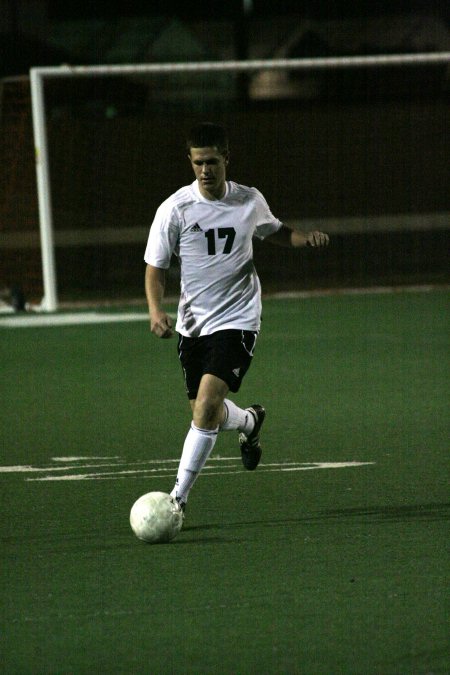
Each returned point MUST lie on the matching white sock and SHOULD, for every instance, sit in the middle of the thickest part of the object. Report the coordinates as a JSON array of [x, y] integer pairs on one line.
[[196, 450], [237, 418]]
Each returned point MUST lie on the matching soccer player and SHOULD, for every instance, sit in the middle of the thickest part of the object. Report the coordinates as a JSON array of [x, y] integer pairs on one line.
[[209, 225]]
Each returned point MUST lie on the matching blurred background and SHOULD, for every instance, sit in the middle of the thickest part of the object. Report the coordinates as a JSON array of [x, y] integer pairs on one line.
[[359, 152]]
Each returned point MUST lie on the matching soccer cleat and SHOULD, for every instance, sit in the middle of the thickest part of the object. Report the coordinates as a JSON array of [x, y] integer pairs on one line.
[[250, 447]]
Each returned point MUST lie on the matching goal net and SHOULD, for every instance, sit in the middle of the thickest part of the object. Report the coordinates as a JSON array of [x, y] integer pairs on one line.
[[354, 146]]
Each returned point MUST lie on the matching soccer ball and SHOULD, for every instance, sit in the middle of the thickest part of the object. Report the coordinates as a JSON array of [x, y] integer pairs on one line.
[[156, 517]]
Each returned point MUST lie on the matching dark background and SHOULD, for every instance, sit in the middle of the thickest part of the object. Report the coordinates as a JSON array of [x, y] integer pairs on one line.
[[362, 153], [28, 28]]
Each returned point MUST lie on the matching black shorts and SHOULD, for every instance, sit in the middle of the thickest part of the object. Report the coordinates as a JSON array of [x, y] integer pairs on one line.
[[227, 354]]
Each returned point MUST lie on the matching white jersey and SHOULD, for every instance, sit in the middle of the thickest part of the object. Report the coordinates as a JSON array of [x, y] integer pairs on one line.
[[213, 241]]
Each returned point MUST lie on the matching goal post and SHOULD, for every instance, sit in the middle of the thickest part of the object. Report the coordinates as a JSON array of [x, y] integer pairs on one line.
[[39, 76], [49, 301]]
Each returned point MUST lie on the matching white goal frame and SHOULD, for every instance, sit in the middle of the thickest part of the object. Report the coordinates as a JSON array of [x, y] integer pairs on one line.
[[38, 76]]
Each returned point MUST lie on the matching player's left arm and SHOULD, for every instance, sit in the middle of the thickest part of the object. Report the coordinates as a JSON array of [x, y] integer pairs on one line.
[[288, 237]]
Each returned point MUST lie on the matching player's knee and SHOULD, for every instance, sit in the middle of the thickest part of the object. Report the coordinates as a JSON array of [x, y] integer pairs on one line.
[[207, 412]]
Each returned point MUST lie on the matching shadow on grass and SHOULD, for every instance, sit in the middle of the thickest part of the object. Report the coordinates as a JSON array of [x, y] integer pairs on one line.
[[200, 539], [368, 515], [394, 513]]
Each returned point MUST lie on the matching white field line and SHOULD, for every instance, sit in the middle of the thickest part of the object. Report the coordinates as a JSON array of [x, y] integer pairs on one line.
[[72, 319], [156, 473], [364, 290], [27, 468], [82, 458], [34, 469], [38, 320]]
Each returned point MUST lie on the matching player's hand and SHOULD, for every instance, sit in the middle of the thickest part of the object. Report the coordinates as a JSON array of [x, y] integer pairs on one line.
[[317, 239], [161, 325]]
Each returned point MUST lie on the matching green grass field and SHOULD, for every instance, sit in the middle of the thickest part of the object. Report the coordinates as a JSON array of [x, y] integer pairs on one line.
[[331, 558]]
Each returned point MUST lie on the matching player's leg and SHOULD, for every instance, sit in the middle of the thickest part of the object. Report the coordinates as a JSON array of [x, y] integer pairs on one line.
[[229, 362], [235, 418], [227, 355], [212, 366], [207, 410], [232, 364], [248, 422]]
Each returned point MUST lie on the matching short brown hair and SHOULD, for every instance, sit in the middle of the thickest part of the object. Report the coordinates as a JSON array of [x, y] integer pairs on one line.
[[208, 134]]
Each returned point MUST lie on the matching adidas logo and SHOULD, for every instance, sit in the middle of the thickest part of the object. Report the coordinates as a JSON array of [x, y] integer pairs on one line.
[[196, 228], [236, 371]]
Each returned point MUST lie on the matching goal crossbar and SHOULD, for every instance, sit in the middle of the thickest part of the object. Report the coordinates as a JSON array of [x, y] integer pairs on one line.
[[248, 65], [39, 74]]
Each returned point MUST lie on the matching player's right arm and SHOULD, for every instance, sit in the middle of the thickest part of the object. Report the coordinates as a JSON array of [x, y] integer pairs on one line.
[[160, 321], [161, 244]]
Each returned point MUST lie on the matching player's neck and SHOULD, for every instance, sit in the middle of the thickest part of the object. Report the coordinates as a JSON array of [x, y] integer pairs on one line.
[[213, 195]]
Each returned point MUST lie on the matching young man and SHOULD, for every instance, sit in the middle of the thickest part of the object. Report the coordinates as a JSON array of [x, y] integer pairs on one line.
[[210, 225]]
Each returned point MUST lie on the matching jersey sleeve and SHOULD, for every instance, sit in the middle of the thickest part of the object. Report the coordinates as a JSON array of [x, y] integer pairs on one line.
[[266, 222], [163, 237]]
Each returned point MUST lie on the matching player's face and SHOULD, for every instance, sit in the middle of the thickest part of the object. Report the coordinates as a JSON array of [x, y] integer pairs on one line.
[[209, 166]]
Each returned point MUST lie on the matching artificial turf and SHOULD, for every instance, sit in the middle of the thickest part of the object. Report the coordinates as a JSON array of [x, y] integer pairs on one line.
[[297, 567]]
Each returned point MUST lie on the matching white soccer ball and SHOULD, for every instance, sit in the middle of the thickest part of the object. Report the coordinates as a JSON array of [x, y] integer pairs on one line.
[[156, 517]]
